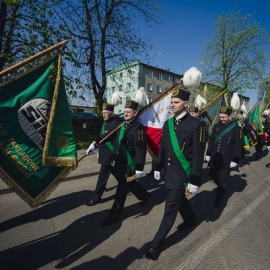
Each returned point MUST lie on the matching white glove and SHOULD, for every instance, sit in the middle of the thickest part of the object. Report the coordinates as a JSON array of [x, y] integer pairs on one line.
[[157, 175], [268, 148], [207, 158], [192, 188], [233, 164], [90, 149], [138, 174]]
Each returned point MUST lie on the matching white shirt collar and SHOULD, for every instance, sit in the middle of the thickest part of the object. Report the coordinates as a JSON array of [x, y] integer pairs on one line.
[[181, 115]]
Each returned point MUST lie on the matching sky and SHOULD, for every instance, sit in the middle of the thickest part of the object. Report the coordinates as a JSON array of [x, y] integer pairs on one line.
[[187, 25]]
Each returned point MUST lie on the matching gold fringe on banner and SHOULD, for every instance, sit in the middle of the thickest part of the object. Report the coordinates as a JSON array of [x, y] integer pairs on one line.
[[55, 161], [34, 202]]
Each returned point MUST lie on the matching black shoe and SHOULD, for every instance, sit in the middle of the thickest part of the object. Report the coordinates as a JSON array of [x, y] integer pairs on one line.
[[217, 203], [152, 253], [108, 221], [92, 202], [150, 174], [186, 225], [144, 201]]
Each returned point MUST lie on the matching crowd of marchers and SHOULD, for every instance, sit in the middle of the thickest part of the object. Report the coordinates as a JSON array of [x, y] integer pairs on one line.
[[184, 147]]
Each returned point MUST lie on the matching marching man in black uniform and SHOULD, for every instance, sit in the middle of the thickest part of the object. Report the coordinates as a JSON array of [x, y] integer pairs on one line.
[[224, 151], [266, 130], [248, 134], [106, 151], [129, 159], [181, 158], [194, 112]]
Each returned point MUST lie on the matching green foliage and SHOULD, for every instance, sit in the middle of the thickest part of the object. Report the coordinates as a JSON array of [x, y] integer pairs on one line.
[[234, 59], [83, 137]]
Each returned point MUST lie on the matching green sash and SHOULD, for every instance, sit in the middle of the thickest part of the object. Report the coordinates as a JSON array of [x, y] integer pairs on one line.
[[178, 152], [126, 154], [227, 129], [109, 144]]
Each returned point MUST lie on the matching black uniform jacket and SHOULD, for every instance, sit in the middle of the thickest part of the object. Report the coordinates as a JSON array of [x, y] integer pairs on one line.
[[188, 131], [105, 154], [228, 147], [134, 140]]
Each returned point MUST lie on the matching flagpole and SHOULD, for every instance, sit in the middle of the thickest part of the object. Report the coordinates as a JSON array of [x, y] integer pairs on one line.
[[31, 58], [213, 101]]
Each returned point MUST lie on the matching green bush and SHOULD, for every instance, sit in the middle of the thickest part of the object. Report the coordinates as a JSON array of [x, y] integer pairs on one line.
[[83, 137]]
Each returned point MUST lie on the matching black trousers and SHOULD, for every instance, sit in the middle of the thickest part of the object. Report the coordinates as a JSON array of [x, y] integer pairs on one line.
[[104, 174], [121, 193], [220, 176], [175, 202]]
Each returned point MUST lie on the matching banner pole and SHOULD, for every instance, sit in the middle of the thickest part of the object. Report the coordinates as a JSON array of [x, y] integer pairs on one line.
[[33, 57]]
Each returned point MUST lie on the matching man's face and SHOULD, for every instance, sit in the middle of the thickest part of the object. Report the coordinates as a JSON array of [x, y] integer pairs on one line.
[[224, 118], [129, 114], [178, 105], [107, 115], [239, 116], [194, 114]]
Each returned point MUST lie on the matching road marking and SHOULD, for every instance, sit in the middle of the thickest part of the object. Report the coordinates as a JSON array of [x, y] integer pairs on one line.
[[193, 261]]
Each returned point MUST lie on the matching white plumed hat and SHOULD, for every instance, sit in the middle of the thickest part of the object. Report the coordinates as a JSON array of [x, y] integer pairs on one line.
[[235, 101]]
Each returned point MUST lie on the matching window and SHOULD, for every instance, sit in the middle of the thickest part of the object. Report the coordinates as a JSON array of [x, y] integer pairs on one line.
[[159, 89], [149, 87], [159, 76], [150, 74], [128, 85], [121, 75], [150, 99], [168, 78]]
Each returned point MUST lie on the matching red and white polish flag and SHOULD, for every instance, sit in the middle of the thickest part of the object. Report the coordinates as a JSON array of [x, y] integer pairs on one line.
[[153, 118]]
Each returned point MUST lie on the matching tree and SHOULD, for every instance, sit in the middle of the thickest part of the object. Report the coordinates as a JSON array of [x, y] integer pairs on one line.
[[25, 29], [264, 92], [234, 59], [104, 34]]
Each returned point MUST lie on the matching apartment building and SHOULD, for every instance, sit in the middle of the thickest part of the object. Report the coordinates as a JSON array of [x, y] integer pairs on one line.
[[130, 77]]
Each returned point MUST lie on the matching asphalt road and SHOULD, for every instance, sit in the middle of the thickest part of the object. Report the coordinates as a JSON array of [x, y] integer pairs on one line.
[[64, 233]]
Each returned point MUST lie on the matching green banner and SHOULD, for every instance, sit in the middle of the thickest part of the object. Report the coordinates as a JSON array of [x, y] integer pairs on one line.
[[255, 117], [37, 144], [210, 115]]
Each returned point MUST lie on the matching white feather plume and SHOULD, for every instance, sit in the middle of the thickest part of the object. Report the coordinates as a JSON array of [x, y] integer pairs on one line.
[[235, 101], [140, 97], [116, 97], [192, 79], [199, 102], [244, 108], [266, 112]]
